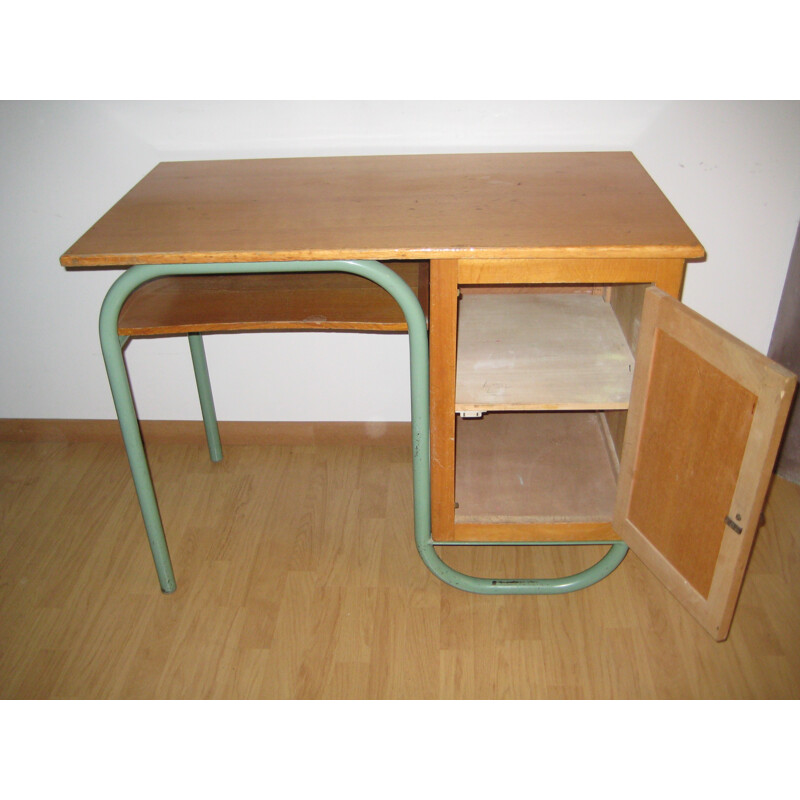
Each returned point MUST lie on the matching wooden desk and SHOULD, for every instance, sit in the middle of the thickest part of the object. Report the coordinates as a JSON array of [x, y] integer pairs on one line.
[[574, 238]]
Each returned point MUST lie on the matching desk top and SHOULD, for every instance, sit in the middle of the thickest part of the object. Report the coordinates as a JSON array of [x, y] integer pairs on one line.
[[531, 205]]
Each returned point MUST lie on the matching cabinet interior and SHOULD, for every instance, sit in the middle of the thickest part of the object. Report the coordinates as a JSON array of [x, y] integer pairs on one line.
[[543, 379]]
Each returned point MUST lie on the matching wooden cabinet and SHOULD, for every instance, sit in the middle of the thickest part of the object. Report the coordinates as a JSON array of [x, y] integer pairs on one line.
[[606, 410]]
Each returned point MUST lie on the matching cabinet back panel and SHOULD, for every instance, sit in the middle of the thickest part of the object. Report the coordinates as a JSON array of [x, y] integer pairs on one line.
[[519, 467], [547, 351]]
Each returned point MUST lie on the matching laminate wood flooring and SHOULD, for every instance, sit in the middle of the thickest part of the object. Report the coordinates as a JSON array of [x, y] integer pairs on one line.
[[298, 578]]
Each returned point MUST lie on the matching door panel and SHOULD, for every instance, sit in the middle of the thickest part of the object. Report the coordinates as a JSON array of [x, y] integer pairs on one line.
[[704, 425]]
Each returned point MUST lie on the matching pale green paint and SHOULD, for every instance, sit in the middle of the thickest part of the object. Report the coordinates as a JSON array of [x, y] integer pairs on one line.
[[111, 345]]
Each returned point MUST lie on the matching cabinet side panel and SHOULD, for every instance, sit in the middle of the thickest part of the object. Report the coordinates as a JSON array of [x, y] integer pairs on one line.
[[669, 277], [627, 301], [443, 330]]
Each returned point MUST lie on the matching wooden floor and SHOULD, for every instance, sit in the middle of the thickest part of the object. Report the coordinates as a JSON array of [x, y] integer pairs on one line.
[[298, 578]]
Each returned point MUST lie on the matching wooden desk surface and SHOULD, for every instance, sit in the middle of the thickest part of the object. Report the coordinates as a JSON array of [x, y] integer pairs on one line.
[[389, 207]]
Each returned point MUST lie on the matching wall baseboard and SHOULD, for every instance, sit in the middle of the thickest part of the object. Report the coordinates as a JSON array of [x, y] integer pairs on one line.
[[392, 434]]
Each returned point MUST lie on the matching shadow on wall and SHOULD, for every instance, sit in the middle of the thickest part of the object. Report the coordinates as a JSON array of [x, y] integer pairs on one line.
[[785, 349]]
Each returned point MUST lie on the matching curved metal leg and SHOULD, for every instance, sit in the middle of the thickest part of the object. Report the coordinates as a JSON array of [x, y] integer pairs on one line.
[[420, 421], [571, 583], [206, 398], [111, 345]]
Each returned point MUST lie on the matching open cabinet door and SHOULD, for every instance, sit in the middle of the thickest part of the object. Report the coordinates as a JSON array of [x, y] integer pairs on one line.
[[704, 424]]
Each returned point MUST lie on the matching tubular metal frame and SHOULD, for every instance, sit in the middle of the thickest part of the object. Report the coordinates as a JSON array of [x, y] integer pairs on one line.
[[112, 344]]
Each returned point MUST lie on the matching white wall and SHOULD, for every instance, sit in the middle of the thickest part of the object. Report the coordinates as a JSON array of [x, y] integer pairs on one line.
[[731, 170]]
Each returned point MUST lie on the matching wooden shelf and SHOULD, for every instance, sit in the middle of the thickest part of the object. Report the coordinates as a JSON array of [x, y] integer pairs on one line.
[[301, 301], [546, 467], [540, 351]]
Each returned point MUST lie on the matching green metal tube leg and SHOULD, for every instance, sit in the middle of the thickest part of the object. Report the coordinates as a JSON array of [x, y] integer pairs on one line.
[[206, 398], [420, 421], [132, 437]]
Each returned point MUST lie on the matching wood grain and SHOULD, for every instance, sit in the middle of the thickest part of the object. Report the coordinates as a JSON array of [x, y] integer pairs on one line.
[[318, 301], [533, 467], [540, 351], [571, 268], [500, 205], [510, 532], [627, 301], [443, 336], [177, 431], [298, 578], [726, 400], [711, 439]]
